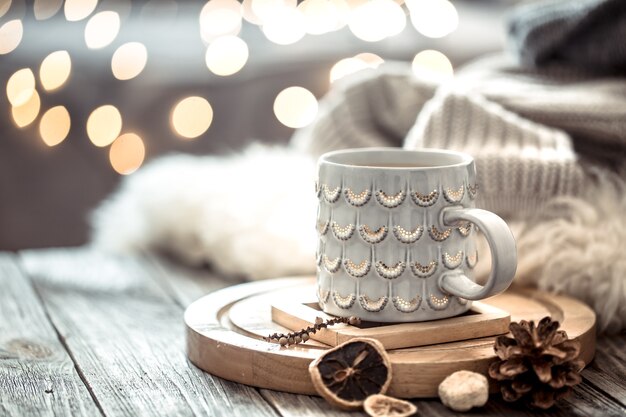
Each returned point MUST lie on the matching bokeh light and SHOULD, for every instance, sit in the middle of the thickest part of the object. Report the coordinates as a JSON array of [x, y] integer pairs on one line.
[[248, 13], [127, 153], [376, 20], [55, 70], [295, 107], [432, 65], [27, 113], [129, 60], [45, 9], [354, 64], [226, 55], [102, 29], [54, 125], [5, 5], [220, 18], [20, 86], [10, 36], [285, 26], [104, 125], [433, 18], [192, 117], [76, 10], [266, 9], [320, 16]]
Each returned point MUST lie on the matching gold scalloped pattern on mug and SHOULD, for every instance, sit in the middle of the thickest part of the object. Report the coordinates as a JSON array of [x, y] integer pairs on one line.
[[425, 200], [322, 295], [342, 232], [344, 302], [322, 227], [472, 190], [390, 201], [424, 271], [471, 260], [405, 306], [406, 236], [331, 196], [331, 266], [438, 235], [438, 303], [357, 200], [373, 306], [357, 270], [452, 261], [373, 236], [454, 196], [465, 229], [390, 272]]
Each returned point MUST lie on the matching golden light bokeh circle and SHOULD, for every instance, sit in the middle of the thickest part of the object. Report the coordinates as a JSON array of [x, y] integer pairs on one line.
[[285, 26], [191, 117], [127, 153], [54, 125], [20, 87], [5, 5], [320, 16], [55, 69], [10, 36], [25, 114], [226, 55], [129, 60], [102, 29], [45, 9], [359, 62], [295, 107], [220, 18], [76, 10], [104, 125], [432, 65], [376, 20], [433, 18]]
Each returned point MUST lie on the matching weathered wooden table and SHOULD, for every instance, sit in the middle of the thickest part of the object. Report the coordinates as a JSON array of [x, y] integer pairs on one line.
[[84, 333]]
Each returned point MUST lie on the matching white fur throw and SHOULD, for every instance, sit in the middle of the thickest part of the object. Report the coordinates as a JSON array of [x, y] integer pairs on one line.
[[253, 214]]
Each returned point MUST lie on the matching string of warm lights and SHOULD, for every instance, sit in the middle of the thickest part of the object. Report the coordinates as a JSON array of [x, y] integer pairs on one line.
[[283, 22]]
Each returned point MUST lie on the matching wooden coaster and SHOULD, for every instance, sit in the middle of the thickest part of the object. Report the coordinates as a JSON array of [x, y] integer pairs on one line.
[[235, 349], [297, 309]]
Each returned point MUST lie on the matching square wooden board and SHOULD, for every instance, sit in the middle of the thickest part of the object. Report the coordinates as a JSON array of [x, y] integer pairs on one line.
[[481, 320]]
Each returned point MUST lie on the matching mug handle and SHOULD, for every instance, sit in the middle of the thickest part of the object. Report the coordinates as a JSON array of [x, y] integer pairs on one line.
[[503, 254]]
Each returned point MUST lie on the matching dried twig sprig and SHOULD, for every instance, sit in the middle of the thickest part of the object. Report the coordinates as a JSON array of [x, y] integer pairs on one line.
[[303, 335]]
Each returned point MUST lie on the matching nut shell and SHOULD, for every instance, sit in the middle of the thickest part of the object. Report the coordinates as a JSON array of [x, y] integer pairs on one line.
[[349, 373], [379, 405]]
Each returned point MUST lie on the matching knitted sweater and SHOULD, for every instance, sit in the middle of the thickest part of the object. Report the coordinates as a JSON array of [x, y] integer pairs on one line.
[[522, 126]]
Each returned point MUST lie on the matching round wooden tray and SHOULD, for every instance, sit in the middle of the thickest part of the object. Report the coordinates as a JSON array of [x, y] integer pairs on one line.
[[235, 350]]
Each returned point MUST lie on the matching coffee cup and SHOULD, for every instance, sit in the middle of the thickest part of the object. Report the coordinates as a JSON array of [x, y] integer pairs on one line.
[[397, 235]]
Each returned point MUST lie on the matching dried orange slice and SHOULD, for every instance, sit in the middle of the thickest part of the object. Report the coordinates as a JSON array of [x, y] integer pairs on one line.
[[349, 373], [379, 405]]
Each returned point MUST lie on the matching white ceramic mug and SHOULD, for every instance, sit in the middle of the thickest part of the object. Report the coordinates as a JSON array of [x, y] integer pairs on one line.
[[397, 235]]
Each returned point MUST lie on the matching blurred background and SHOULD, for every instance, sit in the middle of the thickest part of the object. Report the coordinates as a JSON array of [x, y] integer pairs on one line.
[[94, 89]]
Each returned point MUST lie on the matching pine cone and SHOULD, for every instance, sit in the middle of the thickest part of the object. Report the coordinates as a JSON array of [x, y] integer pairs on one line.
[[538, 365]]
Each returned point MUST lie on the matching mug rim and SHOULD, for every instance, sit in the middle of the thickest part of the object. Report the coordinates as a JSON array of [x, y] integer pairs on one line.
[[463, 158]]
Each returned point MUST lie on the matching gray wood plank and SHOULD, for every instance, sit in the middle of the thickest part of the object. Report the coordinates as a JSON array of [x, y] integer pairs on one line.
[[608, 369], [126, 336], [37, 375]]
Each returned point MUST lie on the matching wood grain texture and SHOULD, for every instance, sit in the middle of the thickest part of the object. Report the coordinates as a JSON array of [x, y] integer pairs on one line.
[[192, 284], [37, 376], [608, 370], [126, 336]]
